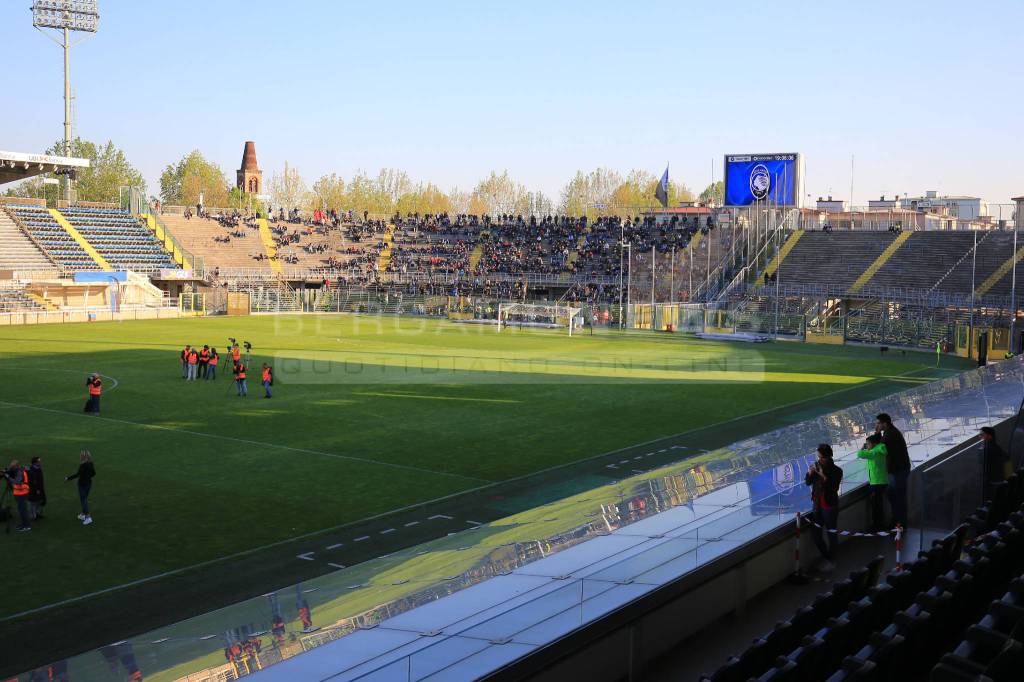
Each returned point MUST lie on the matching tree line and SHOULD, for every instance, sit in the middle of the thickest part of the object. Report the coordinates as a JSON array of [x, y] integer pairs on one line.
[[602, 191]]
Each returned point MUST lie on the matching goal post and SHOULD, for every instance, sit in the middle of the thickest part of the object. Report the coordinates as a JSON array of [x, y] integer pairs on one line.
[[538, 316]]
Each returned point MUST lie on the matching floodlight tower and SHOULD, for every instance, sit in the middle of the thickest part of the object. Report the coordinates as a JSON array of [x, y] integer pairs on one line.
[[62, 17]]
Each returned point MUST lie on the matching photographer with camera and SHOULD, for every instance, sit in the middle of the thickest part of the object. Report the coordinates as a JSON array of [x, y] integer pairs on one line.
[[824, 478], [17, 479], [95, 387], [239, 371]]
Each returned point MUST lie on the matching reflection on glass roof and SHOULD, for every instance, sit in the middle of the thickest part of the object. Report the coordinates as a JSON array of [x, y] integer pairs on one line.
[[460, 606]]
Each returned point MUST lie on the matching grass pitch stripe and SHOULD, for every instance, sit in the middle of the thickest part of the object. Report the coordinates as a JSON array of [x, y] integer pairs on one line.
[[246, 441]]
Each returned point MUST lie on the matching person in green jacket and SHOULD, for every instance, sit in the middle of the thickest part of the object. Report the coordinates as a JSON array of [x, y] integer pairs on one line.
[[878, 479]]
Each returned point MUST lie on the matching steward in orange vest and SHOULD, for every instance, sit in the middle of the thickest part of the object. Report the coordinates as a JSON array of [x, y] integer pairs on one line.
[[268, 379], [204, 361], [95, 386], [211, 367], [243, 390], [18, 478], [184, 361]]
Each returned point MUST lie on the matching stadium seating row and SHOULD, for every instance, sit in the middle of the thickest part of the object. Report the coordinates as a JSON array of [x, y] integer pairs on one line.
[[928, 261], [120, 239], [15, 299], [116, 235], [911, 625]]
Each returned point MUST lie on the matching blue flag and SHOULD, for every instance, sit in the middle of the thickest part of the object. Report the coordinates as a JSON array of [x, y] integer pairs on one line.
[[661, 191]]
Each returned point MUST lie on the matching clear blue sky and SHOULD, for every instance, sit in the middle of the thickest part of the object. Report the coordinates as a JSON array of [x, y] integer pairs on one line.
[[926, 95]]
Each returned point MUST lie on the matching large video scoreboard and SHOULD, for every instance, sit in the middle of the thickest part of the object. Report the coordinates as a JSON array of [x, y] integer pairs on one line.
[[763, 178]]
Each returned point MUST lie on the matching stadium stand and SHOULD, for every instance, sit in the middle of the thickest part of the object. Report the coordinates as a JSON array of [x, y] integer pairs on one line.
[[17, 250], [119, 238], [51, 236], [14, 298], [225, 242], [838, 258], [932, 618]]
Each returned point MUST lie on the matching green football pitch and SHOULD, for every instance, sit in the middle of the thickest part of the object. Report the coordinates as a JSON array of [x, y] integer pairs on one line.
[[368, 416]]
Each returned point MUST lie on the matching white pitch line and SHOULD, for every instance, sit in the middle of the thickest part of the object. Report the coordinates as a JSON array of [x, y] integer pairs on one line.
[[360, 539], [387, 530], [307, 556], [439, 516], [336, 565], [113, 380], [411, 523], [336, 545]]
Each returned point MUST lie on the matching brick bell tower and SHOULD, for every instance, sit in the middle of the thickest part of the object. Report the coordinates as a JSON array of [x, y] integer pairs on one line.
[[249, 176]]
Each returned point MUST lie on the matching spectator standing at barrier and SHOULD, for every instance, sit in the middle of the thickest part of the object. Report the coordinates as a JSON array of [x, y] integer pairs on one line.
[[17, 477], [994, 460], [95, 387], [211, 367], [824, 478], [874, 451], [36, 489], [897, 464], [86, 472]]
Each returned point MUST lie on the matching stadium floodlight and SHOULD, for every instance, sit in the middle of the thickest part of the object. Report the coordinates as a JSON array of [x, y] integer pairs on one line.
[[65, 16]]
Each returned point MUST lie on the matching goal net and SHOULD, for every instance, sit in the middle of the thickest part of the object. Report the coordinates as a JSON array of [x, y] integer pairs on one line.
[[540, 316]]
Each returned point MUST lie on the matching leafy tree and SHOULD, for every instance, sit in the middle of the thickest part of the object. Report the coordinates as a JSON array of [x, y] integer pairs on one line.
[[586, 191], [713, 194], [183, 182], [108, 170], [498, 194], [329, 192], [424, 199], [242, 200], [289, 190]]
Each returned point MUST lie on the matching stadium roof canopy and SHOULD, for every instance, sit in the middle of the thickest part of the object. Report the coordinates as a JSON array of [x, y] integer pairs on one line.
[[16, 166]]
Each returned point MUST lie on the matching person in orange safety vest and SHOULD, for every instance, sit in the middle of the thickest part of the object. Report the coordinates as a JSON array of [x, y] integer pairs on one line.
[[17, 477]]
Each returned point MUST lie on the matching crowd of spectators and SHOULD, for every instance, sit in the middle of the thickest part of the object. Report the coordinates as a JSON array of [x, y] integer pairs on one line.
[[482, 254]]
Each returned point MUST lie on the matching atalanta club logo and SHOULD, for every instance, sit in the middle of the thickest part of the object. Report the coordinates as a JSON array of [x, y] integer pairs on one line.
[[760, 181]]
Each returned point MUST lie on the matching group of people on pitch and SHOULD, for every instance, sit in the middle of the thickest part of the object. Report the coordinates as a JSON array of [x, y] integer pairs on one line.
[[203, 363], [28, 487], [888, 468]]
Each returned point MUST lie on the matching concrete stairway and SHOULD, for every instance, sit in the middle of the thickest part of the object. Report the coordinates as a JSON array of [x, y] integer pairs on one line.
[[17, 251]]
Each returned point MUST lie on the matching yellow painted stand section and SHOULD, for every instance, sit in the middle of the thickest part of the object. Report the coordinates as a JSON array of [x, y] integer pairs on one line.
[[385, 255], [77, 236], [46, 303], [832, 339], [474, 258], [164, 239], [695, 240], [774, 264], [575, 253], [999, 273], [268, 243], [880, 261]]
